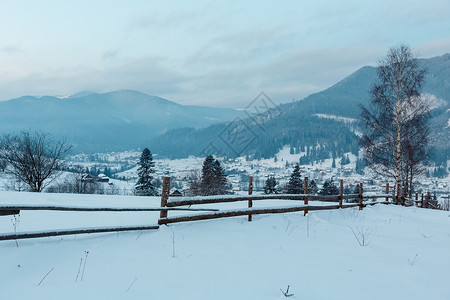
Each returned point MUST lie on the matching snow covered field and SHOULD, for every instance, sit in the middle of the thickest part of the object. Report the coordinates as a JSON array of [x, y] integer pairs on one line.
[[407, 256]]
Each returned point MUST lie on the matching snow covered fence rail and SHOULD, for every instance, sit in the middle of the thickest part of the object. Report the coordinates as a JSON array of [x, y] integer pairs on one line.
[[10, 209], [236, 198], [15, 208], [248, 211], [39, 234]]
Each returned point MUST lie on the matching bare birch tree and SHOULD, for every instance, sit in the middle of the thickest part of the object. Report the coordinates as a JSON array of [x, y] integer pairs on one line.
[[395, 133], [33, 158]]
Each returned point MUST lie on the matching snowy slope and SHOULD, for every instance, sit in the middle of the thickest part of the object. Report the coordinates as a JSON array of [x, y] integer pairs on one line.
[[317, 255]]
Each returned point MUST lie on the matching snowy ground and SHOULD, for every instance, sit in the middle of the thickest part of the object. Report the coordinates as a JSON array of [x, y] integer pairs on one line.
[[408, 255]]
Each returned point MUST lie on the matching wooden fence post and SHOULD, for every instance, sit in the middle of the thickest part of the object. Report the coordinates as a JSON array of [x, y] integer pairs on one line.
[[341, 195], [421, 204], [165, 196], [361, 196], [387, 191], [250, 191], [417, 199], [305, 187]]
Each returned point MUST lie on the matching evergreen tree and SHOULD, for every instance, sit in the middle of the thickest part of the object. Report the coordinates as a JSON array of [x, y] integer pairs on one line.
[[144, 186], [356, 189], [359, 168], [312, 187], [295, 184], [107, 172], [345, 160], [206, 185], [214, 180], [440, 172], [346, 189], [329, 188], [304, 160], [270, 187], [221, 186]]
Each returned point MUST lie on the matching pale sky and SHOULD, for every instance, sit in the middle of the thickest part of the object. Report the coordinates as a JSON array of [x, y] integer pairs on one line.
[[206, 52]]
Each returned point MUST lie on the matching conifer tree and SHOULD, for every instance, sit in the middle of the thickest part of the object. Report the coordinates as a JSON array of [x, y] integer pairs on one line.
[[329, 188], [295, 184], [359, 167], [206, 185], [312, 187], [220, 179], [346, 189], [144, 186], [214, 180], [270, 187], [356, 189]]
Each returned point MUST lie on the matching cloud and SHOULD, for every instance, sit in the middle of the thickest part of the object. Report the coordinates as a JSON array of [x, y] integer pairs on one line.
[[11, 49], [434, 48], [216, 54], [110, 55], [292, 74], [170, 19], [146, 75]]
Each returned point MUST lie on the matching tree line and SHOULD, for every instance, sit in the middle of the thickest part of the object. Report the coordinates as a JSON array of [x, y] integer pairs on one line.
[[295, 185]]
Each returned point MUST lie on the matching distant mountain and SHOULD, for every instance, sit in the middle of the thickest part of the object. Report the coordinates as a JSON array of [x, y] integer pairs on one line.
[[328, 118], [341, 98], [112, 121]]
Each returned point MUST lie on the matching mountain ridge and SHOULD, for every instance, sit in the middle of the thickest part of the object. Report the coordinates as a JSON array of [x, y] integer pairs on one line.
[[113, 121]]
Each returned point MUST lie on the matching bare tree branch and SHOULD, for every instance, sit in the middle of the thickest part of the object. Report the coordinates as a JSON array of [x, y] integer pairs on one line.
[[34, 158], [396, 136]]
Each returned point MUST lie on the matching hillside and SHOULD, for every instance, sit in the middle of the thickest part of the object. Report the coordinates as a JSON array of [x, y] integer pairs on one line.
[[112, 121], [317, 256], [302, 124]]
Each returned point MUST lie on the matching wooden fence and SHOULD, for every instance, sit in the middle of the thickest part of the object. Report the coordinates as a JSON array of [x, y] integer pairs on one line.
[[305, 207], [176, 204]]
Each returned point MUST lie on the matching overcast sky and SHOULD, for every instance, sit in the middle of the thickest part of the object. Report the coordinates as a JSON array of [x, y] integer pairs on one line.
[[202, 52]]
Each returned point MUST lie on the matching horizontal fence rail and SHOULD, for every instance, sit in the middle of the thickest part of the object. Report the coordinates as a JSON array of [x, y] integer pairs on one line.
[[237, 198], [248, 211], [76, 208], [39, 234]]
